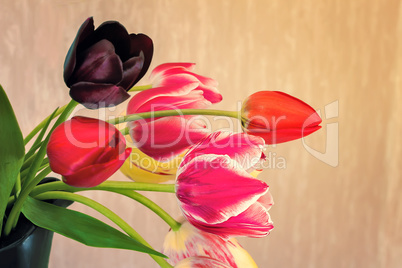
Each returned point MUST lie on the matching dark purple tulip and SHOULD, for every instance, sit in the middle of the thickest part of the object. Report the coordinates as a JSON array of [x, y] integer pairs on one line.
[[103, 64]]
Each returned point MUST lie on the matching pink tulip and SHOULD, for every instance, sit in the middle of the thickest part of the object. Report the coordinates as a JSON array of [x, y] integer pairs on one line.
[[189, 241], [215, 190], [86, 151], [278, 117], [174, 87], [201, 262]]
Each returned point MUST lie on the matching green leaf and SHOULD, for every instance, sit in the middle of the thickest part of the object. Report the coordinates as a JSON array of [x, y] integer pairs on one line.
[[12, 151], [80, 227]]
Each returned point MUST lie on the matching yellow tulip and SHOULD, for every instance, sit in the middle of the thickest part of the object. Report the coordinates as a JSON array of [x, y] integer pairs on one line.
[[142, 168], [189, 241], [197, 262]]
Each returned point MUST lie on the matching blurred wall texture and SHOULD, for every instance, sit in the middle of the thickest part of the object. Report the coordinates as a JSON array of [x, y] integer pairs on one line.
[[337, 198]]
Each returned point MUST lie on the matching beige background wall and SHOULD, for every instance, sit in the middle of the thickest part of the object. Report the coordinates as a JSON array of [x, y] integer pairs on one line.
[[344, 53]]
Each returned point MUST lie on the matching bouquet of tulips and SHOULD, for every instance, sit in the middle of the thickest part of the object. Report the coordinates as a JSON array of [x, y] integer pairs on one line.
[[213, 175]]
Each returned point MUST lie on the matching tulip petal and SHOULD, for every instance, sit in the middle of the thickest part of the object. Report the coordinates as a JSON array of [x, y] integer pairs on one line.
[[210, 91], [168, 69], [143, 97], [94, 96], [160, 69], [280, 135], [192, 100], [189, 241], [200, 262], [253, 222], [211, 202], [166, 137], [98, 64], [131, 71], [142, 168], [177, 73], [245, 149], [138, 174], [115, 33], [266, 201], [141, 43], [90, 176], [84, 31]]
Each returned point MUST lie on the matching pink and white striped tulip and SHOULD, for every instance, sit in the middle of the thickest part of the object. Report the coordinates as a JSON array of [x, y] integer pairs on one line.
[[174, 87], [216, 191], [201, 262], [189, 241]]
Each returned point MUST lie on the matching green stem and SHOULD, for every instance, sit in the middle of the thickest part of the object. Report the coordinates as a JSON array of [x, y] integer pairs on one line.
[[32, 150], [39, 139], [17, 186], [10, 201], [107, 213], [41, 124], [125, 131], [24, 173], [140, 88], [155, 114], [15, 211], [28, 162], [175, 225], [124, 188], [106, 186]]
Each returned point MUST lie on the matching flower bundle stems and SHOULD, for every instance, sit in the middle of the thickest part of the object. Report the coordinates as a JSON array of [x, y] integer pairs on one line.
[[31, 178], [174, 225], [104, 211], [16, 210], [119, 187]]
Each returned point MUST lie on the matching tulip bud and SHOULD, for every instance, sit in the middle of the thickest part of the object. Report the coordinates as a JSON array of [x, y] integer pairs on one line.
[[278, 117], [188, 242], [86, 151]]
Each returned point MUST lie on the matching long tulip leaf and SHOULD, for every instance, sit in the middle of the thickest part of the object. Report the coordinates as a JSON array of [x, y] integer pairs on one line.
[[80, 227], [12, 151]]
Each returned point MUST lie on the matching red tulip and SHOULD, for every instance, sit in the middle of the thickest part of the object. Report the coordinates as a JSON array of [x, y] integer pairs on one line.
[[86, 151], [278, 117]]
